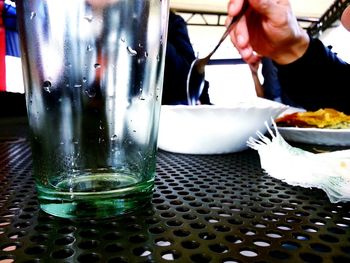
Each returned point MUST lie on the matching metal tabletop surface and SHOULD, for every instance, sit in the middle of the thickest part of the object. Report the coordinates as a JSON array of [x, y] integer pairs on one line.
[[205, 208]]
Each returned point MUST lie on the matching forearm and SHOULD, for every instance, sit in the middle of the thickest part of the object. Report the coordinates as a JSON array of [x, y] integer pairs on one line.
[[318, 79], [258, 87], [293, 50]]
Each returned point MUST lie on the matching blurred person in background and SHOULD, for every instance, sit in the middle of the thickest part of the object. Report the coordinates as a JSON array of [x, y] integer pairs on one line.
[[309, 72], [254, 70], [270, 87], [178, 59]]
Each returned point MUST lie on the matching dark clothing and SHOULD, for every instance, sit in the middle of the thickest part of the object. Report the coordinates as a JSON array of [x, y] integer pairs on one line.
[[271, 85], [12, 104], [178, 59], [319, 79]]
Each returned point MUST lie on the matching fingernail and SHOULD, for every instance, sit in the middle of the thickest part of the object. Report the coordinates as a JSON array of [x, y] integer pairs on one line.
[[240, 40], [246, 52]]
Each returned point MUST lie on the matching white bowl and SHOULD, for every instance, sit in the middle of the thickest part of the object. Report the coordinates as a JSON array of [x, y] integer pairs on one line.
[[211, 129]]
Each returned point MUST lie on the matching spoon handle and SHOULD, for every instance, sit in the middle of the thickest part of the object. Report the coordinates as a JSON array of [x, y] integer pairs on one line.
[[230, 26]]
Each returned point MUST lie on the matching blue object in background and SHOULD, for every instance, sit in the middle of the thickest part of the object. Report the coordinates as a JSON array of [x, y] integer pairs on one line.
[[12, 38]]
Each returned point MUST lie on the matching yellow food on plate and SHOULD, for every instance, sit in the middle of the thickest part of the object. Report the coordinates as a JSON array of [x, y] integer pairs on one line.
[[322, 118]]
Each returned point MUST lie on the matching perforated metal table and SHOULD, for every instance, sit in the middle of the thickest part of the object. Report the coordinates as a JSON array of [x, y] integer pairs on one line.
[[219, 208]]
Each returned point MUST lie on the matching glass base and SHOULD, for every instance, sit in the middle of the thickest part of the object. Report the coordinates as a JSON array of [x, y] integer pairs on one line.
[[95, 202]]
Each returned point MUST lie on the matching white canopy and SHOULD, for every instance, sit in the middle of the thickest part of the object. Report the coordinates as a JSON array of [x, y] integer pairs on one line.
[[302, 8]]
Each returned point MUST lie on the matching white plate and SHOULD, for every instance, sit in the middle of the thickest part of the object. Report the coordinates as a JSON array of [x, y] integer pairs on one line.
[[214, 129], [330, 137]]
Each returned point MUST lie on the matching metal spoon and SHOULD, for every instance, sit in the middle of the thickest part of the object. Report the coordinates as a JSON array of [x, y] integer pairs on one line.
[[195, 76]]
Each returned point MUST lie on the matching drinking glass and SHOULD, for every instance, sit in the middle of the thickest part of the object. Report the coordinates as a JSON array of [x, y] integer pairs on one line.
[[93, 74]]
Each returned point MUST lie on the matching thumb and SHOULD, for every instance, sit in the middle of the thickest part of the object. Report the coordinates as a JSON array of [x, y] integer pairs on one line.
[[269, 8], [345, 18]]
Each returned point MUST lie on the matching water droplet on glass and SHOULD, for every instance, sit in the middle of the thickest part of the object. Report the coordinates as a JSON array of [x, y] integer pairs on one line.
[[97, 66], [146, 54], [114, 137], [84, 80], [141, 97], [131, 51], [47, 86], [89, 18], [32, 15], [89, 48], [140, 45], [90, 92], [123, 40], [77, 86]]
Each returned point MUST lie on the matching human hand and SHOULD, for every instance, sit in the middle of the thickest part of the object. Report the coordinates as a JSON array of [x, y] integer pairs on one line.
[[269, 28], [345, 18]]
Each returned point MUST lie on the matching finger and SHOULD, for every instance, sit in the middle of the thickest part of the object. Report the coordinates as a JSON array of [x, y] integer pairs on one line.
[[241, 34], [233, 7], [269, 8], [253, 58], [240, 38], [247, 54], [261, 5]]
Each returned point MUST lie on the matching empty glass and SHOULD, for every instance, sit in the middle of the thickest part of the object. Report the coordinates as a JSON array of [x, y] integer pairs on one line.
[[93, 73]]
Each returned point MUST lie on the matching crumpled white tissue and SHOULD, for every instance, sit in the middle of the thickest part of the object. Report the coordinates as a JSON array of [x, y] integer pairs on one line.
[[328, 171]]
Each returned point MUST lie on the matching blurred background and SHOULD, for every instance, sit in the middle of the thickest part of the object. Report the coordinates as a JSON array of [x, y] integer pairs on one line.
[[206, 20], [230, 79]]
